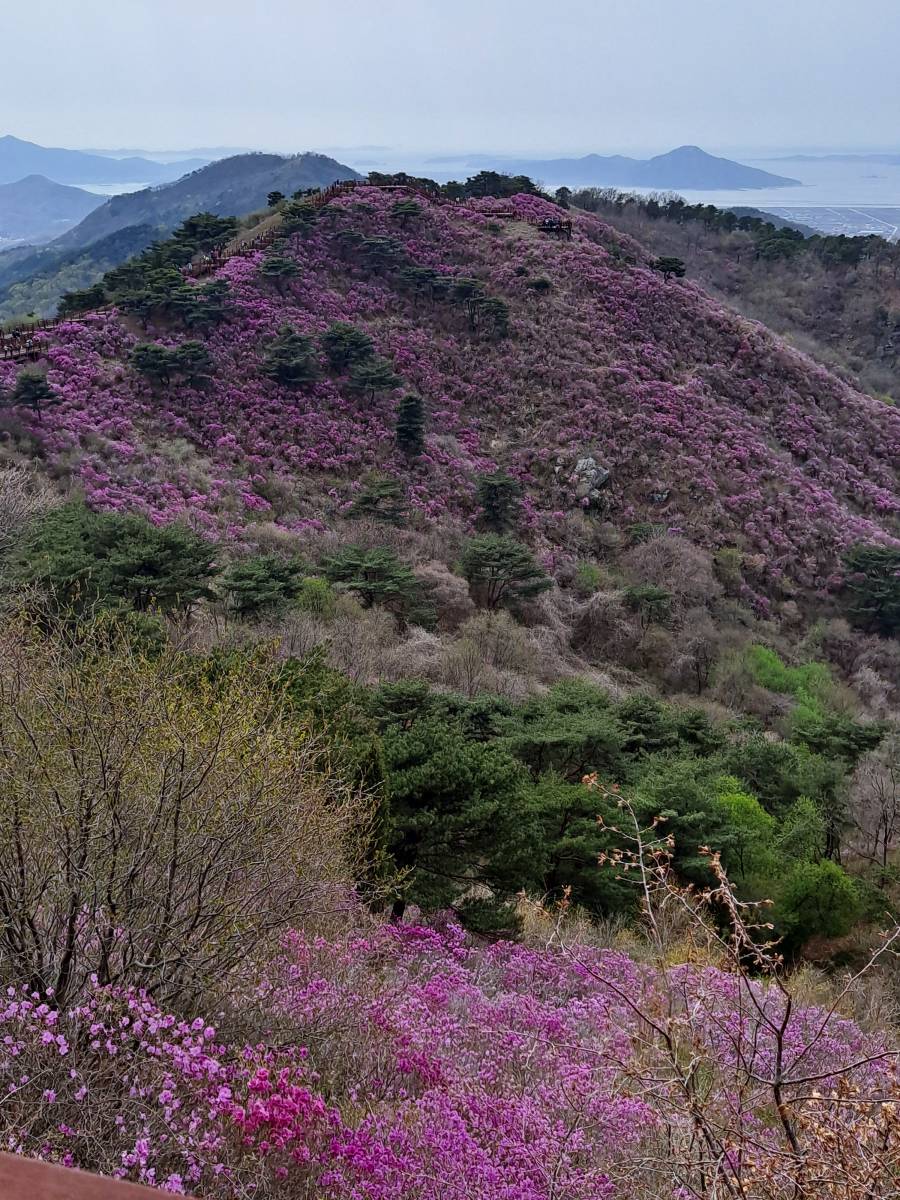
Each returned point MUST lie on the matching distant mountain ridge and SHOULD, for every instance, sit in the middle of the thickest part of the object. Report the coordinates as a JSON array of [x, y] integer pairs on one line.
[[230, 187], [19, 159], [684, 167], [124, 224], [35, 209]]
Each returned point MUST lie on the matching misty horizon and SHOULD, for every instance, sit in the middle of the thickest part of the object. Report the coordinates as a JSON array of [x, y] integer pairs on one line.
[[637, 79]]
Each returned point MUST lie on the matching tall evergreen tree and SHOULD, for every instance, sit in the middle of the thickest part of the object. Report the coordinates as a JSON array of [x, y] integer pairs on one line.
[[345, 345], [291, 359], [499, 496], [411, 425], [33, 391], [501, 571]]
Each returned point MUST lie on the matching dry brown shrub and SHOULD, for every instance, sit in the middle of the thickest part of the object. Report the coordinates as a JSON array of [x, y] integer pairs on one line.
[[674, 563], [604, 630], [24, 495], [361, 643], [448, 593]]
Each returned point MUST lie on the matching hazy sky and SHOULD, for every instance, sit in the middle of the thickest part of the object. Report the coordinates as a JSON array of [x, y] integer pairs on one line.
[[501, 75]]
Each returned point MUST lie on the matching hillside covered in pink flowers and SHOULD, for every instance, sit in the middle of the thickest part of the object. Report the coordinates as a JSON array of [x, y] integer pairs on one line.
[[706, 422]]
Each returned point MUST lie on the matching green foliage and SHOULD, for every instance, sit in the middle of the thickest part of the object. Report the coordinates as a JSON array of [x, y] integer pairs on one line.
[[279, 270], [684, 794], [872, 587], [459, 809], [381, 498], [274, 199], [345, 345], [500, 499], [191, 360], [649, 726], [153, 361], [410, 432], [748, 843], [804, 832], [778, 773], [262, 583], [570, 731], [33, 391], [812, 680], [111, 629], [82, 300], [316, 596], [817, 899], [299, 216], [405, 211], [501, 571], [588, 578], [652, 604], [204, 231], [373, 375], [291, 359], [574, 828], [492, 317], [378, 577], [81, 558], [833, 735], [670, 267]]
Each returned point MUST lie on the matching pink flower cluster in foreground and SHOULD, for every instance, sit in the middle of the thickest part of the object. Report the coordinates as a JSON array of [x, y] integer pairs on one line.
[[750, 442], [410, 1065]]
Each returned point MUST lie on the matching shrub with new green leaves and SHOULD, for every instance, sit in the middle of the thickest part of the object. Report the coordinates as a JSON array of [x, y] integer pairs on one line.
[[588, 578], [803, 834], [652, 604], [501, 571], [749, 831], [817, 899], [316, 595]]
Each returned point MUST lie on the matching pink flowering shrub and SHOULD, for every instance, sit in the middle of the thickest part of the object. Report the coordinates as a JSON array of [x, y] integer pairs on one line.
[[750, 442], [409, 1064]]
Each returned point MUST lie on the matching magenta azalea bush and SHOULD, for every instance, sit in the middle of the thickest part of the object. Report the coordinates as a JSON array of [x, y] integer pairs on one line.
[[750, 442], [408, 1063]]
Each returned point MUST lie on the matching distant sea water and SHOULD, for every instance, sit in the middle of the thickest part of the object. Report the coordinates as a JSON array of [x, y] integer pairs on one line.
[[112, 189], [822, 184], [835, 197]]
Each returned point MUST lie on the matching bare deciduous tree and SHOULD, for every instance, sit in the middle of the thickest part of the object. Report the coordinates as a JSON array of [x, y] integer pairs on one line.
[[23, 496], [875, 801], [160, 820]]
